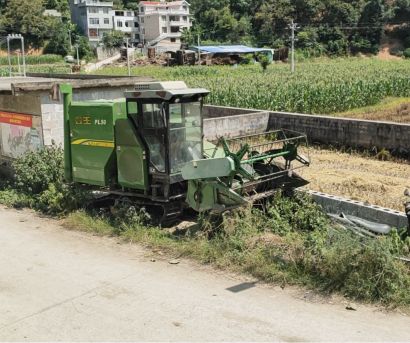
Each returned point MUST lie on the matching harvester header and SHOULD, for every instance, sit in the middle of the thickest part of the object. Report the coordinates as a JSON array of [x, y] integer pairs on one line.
[[148, 149]]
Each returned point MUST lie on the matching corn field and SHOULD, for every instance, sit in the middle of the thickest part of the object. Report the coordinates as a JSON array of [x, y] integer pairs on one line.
[[324, 86], [31, 59], [41, 68]]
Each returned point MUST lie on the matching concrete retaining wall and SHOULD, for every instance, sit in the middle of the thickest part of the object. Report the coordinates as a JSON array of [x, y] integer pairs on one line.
[[236, 125], [346, 132], [211, 111], [354, 133], [337, 205]]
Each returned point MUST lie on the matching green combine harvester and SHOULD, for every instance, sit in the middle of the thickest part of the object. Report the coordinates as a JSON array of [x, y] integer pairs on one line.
[[148, 149]]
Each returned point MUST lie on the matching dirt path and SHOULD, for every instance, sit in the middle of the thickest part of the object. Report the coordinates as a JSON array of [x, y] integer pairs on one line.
[[60, 285], [365, 179]]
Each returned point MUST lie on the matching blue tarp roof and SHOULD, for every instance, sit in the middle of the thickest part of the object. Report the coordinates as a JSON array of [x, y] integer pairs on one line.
[[230, 49]]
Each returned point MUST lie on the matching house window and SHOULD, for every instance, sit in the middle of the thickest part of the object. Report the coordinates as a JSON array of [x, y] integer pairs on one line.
[[119, 23], [164, 18], [164, 30], [185, 8], [173, 40], [142, 9], [94, 21], [119, 13], [129, 14], [105, 10], [126, 24], [142, 20], [174, 29], [93, 32], [184, 18], [92, 9], [136, 24], [107, 21]]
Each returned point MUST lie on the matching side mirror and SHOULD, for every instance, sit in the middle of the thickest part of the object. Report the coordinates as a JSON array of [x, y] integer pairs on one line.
[[407, 192]]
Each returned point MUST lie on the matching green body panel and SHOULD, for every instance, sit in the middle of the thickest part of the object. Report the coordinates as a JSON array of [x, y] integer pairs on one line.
[[92, 140], [131, 160], [208, 168]]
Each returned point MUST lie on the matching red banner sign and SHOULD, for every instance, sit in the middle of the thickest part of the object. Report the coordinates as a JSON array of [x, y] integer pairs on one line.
[[16, 119]]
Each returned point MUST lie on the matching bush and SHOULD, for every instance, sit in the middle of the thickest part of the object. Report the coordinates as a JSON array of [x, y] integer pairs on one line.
[[114, 39], [406, 53], [36, 171], [39, 180], [396, 52], [264, 61]]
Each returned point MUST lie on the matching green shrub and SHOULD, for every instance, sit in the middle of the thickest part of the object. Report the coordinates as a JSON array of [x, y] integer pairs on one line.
[[36, 171], [39, 177], [396, 52], [406, 53], [12, 198]]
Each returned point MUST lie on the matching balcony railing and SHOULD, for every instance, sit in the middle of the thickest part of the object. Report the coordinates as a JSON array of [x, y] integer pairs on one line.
[[164, 11], [96, 3]]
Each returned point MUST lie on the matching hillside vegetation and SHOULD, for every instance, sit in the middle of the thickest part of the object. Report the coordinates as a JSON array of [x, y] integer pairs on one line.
[[332, 27]]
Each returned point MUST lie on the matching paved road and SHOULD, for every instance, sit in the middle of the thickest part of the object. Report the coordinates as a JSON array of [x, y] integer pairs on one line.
[[62, 285]]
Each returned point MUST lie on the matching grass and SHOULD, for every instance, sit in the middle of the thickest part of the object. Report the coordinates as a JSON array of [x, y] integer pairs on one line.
[[293, 243], [322, 87], [45, 68], [390, 109]]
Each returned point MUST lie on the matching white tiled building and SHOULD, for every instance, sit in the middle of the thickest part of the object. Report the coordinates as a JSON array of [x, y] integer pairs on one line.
[[127, 22], [157, 23], [93, 17], [161, 22]]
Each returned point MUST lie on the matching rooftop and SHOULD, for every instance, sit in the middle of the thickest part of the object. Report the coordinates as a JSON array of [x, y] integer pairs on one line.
[[163, 4]]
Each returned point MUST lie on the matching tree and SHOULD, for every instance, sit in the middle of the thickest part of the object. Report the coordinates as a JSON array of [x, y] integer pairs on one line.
[[60, 41], [114, 39], [371, 25], [264, 61], [84, 49], [26, 17]]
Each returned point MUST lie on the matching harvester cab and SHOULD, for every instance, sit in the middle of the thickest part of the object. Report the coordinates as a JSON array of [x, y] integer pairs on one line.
[[148, 149]]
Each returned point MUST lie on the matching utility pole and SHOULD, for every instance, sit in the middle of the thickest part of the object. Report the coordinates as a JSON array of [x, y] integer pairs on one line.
[[78, 56], [128, 59], [71, 43], [199, 50], [293, 26]]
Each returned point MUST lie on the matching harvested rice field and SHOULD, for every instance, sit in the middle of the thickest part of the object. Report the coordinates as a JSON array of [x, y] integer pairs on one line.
[[359, 178], [390, 109]]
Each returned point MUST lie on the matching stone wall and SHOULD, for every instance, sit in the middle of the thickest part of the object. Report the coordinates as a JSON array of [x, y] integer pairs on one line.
[[366, 134], [236, 125], [210, 111], [354, 133]]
